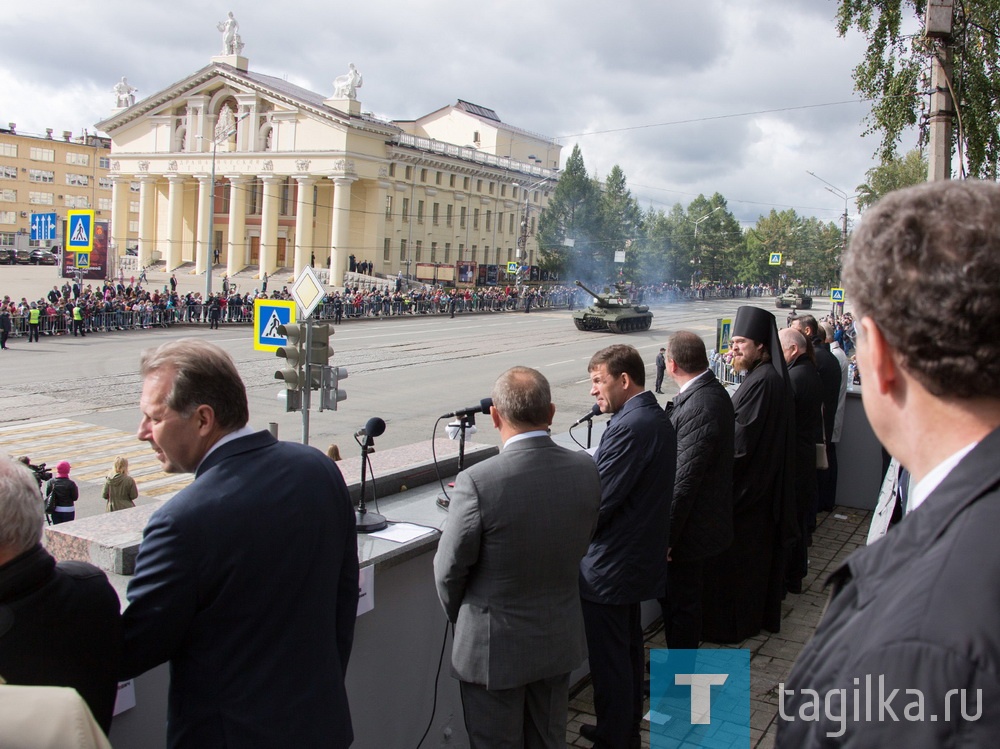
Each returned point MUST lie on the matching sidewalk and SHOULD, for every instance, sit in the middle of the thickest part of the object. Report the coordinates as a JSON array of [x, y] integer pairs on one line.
[[838, 533]]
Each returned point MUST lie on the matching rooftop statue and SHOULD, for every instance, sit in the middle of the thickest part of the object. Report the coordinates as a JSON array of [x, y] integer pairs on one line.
[[124, 93], [232, 44], [346, 86]]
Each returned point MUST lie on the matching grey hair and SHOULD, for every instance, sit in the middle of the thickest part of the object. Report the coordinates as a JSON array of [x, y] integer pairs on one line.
[[523, 397], [21, 516]]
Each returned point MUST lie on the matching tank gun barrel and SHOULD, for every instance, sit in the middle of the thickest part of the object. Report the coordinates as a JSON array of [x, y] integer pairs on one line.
[[599, 301]]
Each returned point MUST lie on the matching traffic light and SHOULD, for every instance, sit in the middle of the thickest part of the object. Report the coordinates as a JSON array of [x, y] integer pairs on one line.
[[293, 371], [330, 392], [319, 354]]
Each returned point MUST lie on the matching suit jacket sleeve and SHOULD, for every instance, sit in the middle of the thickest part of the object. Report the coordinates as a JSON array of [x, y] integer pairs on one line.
[[348, 590], [458, 549], [162, 597], [620, 462]]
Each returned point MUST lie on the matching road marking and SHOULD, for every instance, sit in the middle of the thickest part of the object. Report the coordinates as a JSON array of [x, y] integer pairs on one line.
[[91, 451]]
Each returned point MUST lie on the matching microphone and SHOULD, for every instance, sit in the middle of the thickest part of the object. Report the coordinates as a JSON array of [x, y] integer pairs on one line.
[[595, 410], [483, 408], [374, 428]]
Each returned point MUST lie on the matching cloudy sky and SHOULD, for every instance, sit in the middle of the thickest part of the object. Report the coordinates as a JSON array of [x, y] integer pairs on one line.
[[740, 97]]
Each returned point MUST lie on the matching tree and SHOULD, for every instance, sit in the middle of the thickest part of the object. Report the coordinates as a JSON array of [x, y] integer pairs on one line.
[[890, 175], [892, 74], [620, 226], [572, 214]]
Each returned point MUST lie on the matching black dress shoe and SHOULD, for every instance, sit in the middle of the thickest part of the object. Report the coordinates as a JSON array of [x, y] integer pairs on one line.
[[588, 731]]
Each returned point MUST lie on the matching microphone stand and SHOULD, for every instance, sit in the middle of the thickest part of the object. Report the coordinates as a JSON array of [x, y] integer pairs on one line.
[[464, 422], [367, 521]]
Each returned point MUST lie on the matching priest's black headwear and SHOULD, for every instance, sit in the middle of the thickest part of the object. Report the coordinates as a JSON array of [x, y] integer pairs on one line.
[[759, 325]]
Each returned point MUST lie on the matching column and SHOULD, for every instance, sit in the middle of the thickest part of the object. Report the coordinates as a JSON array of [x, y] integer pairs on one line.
[[236, 255], [175, 218], [206, 223], [119, 215], [341, 232], [147, 195], [269, 225], [303, 223]]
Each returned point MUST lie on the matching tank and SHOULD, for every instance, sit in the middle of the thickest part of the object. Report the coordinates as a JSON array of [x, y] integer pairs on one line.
[[612, 311]]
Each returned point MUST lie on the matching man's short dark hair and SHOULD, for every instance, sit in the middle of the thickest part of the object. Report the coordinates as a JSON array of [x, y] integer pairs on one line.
[[204, 374], [687, 351], [808, 321], [620, 359], [523, 397], [924, 265]]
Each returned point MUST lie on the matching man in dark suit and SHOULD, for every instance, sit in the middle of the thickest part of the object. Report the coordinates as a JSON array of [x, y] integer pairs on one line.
[[701, 513], [807, 395], [247, 580], [913, 623], [507, 572], [627, 559]]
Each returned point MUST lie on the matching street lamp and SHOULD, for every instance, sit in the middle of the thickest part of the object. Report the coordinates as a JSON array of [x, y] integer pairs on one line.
[[697, 260], [221, 133], [845, 197], [522, 241]]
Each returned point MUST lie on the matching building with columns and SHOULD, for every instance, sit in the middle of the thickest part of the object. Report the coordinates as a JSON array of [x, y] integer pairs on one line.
[[271, 176]]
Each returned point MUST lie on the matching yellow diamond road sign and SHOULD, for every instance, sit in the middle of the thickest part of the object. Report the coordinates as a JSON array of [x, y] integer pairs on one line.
[[307, 292]]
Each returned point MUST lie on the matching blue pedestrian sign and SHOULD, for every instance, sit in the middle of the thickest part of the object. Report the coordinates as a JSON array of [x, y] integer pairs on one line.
[[80, 231], [774, 259], [43, 227], [836, 295], [268, 314], [82, 261]]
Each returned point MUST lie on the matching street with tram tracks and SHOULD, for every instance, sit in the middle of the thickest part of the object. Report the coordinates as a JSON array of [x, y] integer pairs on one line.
[[77, 398]]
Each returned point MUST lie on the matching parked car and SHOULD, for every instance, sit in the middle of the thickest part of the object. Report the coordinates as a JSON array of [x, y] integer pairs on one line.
[[41, 256], [794, 296], [8, 256], [23, 257]]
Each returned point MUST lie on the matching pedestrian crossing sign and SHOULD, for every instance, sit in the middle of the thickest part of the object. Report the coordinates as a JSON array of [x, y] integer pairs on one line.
[[268, 314], [512, 267], [80, 232], [775, 259], [836, 295], [82, 261]]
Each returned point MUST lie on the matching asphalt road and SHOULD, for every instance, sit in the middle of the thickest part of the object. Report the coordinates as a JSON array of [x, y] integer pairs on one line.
[[76, 398]]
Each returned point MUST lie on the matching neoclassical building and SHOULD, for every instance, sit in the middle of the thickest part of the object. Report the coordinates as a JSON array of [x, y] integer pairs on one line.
[[272, 176]]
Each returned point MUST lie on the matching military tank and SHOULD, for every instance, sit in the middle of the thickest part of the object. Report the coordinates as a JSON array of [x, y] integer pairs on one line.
[[612, 311]]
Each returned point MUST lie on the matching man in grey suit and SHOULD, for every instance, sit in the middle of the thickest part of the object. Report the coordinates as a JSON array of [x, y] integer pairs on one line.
[[506, 571]]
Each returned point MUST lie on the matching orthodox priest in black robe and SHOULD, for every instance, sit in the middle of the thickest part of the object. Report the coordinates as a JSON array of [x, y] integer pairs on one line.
[[745, 584]]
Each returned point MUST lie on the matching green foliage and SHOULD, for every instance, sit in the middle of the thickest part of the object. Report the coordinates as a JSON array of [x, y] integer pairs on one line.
[[703, 242], [893, 174], [892, 73], [572, 213]]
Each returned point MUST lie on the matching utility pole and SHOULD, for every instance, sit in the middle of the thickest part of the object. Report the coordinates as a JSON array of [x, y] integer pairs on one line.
[[937, 27]]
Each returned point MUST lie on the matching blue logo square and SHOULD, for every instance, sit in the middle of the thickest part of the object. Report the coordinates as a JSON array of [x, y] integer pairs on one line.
[[699, 698]]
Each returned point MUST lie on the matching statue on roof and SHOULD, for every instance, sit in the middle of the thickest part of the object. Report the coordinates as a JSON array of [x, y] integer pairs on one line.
[[346, 86], [124, 93], [232, 44]]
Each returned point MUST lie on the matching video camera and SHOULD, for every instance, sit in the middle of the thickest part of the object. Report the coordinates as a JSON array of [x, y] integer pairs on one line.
[[42, 474]]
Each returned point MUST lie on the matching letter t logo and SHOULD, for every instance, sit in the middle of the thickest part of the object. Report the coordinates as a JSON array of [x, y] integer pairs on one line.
[[701, 694]]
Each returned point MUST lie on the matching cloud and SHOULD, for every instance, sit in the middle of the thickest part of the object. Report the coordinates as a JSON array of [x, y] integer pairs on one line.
[[666, 90]]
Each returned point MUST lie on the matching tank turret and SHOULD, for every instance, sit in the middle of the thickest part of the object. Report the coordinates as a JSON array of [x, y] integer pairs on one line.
[[612, 311]]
